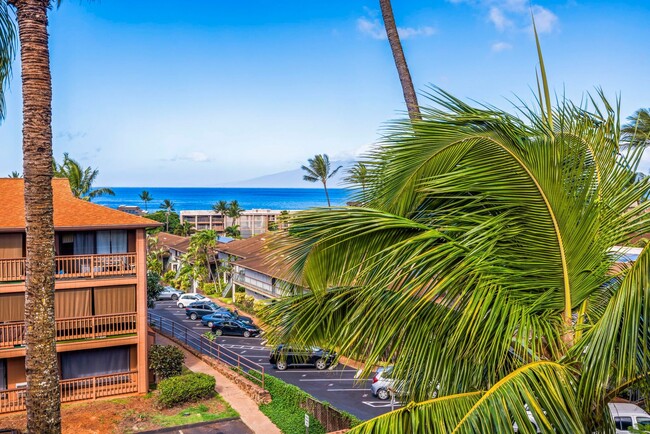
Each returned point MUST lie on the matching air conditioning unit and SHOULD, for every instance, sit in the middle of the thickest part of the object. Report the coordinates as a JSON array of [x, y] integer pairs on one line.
[[21, 385]]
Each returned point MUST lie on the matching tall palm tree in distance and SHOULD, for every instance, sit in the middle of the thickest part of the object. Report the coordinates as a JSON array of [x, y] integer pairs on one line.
[[220, 207], [81, 179], [319, 170], [358, 176], [15, 174], [146, 198], [637, 131], [234, 211], [400, 60], [168, 206], [41, 366]]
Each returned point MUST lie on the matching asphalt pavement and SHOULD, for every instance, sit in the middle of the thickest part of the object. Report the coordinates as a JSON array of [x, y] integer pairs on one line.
[[336, 385]]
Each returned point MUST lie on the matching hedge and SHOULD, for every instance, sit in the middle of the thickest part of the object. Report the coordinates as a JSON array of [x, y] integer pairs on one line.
[[166, 361], [285, 411], [185, 388]]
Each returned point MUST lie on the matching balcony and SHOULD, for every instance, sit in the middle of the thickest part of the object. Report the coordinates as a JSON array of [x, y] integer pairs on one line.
[[77, 389], [99, 326], [256, 285], [75, 266]]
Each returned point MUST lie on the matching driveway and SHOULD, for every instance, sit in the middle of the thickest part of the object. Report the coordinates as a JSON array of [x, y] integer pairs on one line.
[[336, 385]]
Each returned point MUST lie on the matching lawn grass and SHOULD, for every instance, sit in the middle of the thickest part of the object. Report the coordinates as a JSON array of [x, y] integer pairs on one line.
[[194, 414]]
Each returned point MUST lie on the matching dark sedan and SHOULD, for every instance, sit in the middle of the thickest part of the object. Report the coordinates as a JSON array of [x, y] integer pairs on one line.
[[234, 328], [284, 356]]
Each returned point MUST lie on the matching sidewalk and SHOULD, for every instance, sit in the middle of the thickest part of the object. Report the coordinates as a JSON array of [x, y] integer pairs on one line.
[[247, 408]]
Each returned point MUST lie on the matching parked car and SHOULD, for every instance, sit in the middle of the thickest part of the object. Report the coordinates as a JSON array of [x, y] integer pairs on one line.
[[186, 299], [382, 383], [234, 328], [284, 356], [224, 314], [628, 416], [199, 309], [169, 293]]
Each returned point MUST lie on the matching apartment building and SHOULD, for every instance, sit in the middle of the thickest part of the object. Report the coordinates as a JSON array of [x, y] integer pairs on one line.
[[100, 297], [251, 222], [255, 269]]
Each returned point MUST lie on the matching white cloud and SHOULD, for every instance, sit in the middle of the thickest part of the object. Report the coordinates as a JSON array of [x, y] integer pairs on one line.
[[499, 20], [498, 47], [374, 28], [197, 157], [515, 14], [545, 20]]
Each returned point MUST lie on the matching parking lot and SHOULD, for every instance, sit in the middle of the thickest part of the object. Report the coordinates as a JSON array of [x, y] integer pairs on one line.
[[336, 385]]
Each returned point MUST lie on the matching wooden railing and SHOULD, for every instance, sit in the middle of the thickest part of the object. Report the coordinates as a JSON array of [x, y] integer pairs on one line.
[[74, 266], [77, 389], [13, 334]]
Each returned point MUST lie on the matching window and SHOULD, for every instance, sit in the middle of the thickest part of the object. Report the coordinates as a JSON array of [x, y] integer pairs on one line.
[[114, 299], [643, 422], [111, 242], [72, 303], [12, 307], [100, 361], [623, 423], [3, 374]]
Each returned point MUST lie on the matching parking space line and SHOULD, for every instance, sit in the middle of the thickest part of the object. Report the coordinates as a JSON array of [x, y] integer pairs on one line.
[[347, 390], [332, 379]]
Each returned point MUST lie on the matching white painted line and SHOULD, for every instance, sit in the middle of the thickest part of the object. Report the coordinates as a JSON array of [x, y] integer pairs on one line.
[[315, 371], [376, 404], [333, 379]]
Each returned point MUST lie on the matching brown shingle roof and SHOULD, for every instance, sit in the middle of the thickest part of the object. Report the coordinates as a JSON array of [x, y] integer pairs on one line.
[[69, 212], [245, 248], [171, 241]]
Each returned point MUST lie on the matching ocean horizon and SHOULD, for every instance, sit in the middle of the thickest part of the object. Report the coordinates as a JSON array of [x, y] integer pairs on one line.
[[202, 198]]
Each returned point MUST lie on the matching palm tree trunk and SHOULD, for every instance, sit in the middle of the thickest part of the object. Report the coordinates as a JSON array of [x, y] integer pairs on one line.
[[400, 61], [327, 194], [43, 399]]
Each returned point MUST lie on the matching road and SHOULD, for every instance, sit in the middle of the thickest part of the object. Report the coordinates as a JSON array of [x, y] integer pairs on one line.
[[336, 385]]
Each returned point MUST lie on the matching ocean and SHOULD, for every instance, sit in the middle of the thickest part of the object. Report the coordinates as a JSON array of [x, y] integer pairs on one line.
[[248, 198]]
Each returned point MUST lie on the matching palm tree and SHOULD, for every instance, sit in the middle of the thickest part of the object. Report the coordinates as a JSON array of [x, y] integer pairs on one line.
[[358, 176], [220, 207], [481, 267], [185, 229], [81, 179], [637, 131], [168, 206], [400, 61], [319, 170], [41, 366], [234, 211], [233, 231], [146, 198]]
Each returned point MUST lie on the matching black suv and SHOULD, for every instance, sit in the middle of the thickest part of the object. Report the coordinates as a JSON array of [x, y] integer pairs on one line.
[[234, 328], [286, 355], [199, 308]]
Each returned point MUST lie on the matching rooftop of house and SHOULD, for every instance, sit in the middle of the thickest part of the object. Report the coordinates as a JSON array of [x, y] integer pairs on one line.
[[245, 248], [171, 241], [70, 213]]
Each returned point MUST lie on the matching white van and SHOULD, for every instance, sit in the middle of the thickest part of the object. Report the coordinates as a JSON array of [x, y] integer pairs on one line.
[[628, 416]]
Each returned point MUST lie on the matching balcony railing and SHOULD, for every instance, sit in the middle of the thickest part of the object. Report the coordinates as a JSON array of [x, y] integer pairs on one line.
[[91, 327], [255, 284], [75, 266], [77, 389]]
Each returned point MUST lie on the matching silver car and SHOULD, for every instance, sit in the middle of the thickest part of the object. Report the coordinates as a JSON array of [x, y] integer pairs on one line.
[[169, 293]]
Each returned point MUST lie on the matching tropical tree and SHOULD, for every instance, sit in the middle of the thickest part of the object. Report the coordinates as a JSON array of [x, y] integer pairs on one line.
[[400, 61], [233, 231], [168, 206], [482, 266], [358, 176], [145, 197], [41, 366], [319, 170], [637, 131], [81, 179], [15, 174], [185, 229], [234, 211], [220, 207]]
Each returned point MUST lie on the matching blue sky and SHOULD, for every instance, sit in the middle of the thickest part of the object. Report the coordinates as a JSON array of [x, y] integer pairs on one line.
[[205, 93]]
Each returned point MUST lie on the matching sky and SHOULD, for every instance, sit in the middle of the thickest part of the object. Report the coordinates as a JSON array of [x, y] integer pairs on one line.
[[210, 92]]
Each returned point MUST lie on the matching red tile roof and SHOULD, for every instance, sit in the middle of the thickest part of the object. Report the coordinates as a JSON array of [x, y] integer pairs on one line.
[[69, 211]]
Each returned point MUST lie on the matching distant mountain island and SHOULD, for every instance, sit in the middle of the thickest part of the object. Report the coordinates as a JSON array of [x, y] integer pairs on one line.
[[293, 179]]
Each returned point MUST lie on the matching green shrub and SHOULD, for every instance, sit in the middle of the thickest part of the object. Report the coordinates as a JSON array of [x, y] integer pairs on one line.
[[248, 301], [169, 276], [258, 305], [239, 298], [185, 388], [211, 288], [166, 361]]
